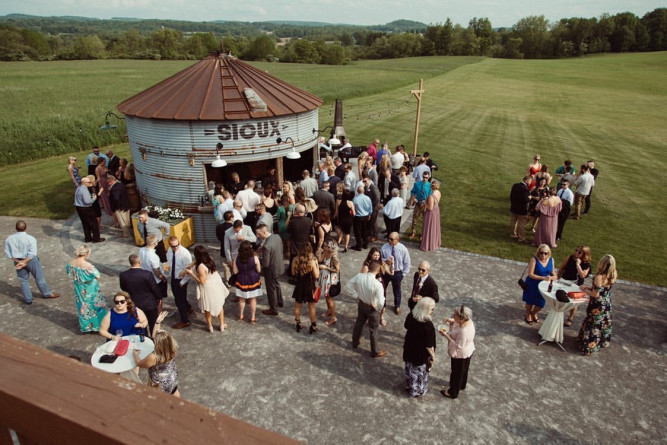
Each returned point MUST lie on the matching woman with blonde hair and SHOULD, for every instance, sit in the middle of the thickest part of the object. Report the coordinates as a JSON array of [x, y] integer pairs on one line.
[[161, 364], [73, 171], [431, 235], [125, 318], [306, 271], [101, 176], [90, 304], [595, 331], [361, 162], [288, 190], [540, 268], [329, 276]]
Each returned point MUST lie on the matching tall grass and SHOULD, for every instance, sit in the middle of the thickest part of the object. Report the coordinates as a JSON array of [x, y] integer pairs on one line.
[[482, 121]]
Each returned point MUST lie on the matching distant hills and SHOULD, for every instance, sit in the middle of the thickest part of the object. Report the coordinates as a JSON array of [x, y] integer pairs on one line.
[[69, 24]]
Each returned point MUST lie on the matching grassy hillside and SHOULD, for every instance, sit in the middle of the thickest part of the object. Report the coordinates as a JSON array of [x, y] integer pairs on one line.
[[482, 120]]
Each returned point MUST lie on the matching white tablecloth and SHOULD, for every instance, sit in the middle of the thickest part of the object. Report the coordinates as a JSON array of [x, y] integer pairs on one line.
[[552, 326], [125, 362]]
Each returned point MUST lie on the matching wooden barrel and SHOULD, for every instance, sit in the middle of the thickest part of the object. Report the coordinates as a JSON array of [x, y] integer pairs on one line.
[[133, 195]]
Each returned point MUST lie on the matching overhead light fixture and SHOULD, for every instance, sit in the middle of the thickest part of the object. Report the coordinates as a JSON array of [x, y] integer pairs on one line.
[[334, 141], [292, 154], [219, 162], [107, 125]]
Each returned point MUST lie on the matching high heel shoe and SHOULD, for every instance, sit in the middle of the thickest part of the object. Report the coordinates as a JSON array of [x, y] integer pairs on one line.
[[298, 326], [313, 328]]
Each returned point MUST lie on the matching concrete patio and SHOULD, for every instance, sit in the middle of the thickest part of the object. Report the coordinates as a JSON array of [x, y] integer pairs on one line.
[[317, 389]]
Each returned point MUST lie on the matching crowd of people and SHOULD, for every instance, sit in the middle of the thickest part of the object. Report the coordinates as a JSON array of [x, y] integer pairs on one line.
[[303, 229], [550, 207]]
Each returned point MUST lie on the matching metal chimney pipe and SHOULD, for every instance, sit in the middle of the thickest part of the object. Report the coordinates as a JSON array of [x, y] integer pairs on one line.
[[338, 130]]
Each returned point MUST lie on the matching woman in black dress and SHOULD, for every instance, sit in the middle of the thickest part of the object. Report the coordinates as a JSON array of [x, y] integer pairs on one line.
[[419, 347], [345, 211], [575, 268], [536, 195], [306, 271]]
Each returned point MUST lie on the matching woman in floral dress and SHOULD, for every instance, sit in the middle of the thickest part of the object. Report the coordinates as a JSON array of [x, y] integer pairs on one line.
[[595, 332], [90, 304], [329, 270]]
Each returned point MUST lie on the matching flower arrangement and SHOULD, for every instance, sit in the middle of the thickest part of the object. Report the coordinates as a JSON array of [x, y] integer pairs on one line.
[[164, 214]]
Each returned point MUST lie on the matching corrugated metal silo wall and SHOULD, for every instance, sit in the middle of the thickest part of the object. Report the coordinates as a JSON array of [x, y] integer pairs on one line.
[[175, 152]]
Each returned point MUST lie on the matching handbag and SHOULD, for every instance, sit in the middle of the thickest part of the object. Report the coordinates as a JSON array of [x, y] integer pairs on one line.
[[576, 295], [121, 347], [232, 280], [561, 296], [316, 295], [522, 283], [108, 358], [334, 290]]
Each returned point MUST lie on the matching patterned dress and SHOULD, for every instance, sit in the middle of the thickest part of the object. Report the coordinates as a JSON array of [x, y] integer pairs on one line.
[[595, 331], [327, 279], [165, 375], [90, 304]]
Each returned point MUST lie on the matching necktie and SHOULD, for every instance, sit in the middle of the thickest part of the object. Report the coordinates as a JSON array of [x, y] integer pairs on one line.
[[393, 253], [145, 232], [173, 266]]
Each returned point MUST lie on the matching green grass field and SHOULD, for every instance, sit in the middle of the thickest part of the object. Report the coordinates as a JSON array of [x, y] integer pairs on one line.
[[482, 120]]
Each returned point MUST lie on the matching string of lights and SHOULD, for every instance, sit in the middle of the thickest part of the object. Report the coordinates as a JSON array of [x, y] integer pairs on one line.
[[375, 110]]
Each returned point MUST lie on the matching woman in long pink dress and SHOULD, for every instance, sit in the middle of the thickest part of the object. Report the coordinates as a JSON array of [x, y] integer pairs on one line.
[[101, 174], [548, 210], [431, 236]]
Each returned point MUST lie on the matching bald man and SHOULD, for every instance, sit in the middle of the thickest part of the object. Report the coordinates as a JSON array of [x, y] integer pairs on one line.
[[424, 285]]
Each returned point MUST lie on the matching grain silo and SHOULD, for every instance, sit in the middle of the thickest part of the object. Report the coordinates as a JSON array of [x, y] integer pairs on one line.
[[219, 106]]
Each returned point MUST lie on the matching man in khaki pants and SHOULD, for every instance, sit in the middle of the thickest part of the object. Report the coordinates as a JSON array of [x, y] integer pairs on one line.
[[120, 204]]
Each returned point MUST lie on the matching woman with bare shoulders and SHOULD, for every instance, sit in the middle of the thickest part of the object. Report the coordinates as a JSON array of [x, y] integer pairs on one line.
[[306, 271], [595, 332], [73, 171]]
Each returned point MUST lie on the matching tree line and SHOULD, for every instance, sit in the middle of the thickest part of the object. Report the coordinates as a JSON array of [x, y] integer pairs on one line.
[[532, 37]]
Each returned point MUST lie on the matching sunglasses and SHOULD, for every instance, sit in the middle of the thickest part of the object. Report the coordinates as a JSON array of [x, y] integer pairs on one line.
[[578, 251], [544, 253], [393, 239], [119, 301], [421, 270]]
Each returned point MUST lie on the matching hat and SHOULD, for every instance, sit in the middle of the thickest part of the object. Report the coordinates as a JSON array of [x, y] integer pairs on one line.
[[311, 206]]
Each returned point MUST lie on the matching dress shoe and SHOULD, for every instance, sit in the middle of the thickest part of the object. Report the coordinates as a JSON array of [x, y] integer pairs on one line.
[[358, 249], [397, 311], [269, 312], [191, 311], [181, 325], [379, 354], [280, 303], [373, 239], [53, 295], [99, 240]]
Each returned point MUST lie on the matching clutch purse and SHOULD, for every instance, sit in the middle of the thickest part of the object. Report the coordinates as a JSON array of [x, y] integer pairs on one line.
[[121, 348], [108, 358], [562, 296], [576, 295]]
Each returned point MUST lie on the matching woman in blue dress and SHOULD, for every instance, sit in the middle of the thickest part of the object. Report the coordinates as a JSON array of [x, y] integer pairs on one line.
[[123, 319], [90, 304], [595, 332], [540, 268]]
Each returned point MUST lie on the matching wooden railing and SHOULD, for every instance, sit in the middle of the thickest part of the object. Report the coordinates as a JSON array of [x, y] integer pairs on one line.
[[46, 398]]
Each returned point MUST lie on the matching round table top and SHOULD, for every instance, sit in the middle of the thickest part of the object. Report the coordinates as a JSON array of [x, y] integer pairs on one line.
[[567, 286], [125, 362]]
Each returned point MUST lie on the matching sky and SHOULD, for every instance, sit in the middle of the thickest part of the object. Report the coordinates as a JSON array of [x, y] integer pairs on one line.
[[501, 13]]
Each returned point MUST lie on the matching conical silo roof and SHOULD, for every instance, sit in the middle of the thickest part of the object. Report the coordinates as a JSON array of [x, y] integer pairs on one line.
[[219, 88]]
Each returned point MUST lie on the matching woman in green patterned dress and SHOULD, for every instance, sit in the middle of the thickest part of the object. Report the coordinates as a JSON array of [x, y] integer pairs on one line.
[[90, 304]]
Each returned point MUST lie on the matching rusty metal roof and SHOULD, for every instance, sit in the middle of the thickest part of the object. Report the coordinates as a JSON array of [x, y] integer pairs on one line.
[[213, 89]]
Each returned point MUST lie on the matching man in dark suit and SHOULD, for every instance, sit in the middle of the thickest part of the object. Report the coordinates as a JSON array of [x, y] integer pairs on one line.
[[324, 199], [120, 204], [340, 168], [424, 285], [271, 258], [114, 162], [143, 290], [386, 184], [519, 198]]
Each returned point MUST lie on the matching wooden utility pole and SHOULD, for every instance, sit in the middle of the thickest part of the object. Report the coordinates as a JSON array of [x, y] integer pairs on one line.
[[418, 95]]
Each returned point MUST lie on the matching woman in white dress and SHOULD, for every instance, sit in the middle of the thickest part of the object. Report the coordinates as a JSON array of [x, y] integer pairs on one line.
[[211, 293]]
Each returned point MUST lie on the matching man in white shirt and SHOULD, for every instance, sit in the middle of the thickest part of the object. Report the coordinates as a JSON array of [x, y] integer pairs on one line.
[[370, 295], [308, 184], [392, 212], [249, 199], [179, 259], [150, 261], [350, 179], [584, 184], [234, 236], [397, 256], [397, 160]]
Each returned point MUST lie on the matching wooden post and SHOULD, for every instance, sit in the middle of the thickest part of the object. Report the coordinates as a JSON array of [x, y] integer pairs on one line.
[[418, 95], [279, 170]]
